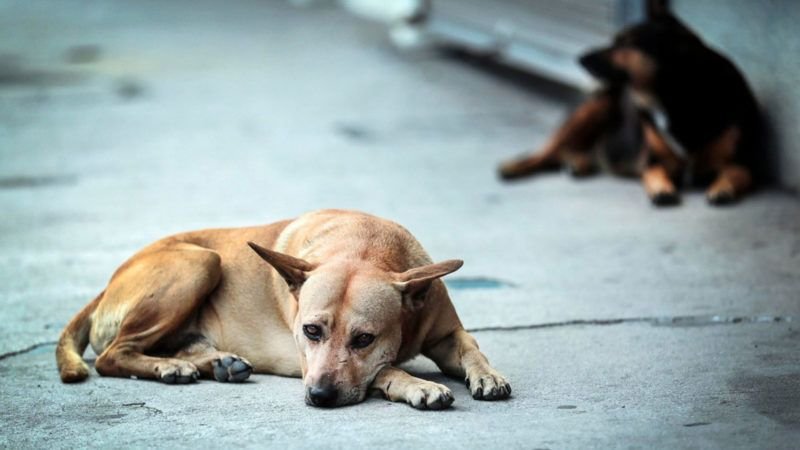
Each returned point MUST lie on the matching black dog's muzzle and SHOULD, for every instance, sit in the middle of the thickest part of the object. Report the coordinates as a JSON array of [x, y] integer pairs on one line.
[[598, 63]]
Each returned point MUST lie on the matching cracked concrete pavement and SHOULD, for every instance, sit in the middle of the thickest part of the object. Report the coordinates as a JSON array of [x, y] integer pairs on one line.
[[618, 325]]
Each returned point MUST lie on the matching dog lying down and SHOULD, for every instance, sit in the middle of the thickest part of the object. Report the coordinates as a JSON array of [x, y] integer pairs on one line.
[[338, 298], [695, 115]]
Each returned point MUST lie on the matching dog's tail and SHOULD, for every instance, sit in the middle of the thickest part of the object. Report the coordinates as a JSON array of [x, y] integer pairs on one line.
[[73, 341]]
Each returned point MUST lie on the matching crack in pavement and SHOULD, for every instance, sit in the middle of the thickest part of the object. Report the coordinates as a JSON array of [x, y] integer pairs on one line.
[[144, 406], [27, 349], [667, 321]]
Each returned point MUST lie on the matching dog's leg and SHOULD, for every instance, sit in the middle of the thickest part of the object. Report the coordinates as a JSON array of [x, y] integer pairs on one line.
[[659, 186], [732, 181], [662, 165], [214, 364], [572, 142], [73, 342], [398, 386], [458, 355], [162, 290]]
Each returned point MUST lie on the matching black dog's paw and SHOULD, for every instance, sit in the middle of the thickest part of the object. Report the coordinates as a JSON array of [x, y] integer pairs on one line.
[[231, 368], [665, 198], [579, 170], [508, 172], [579, 165], [524, 167], [721, 198]]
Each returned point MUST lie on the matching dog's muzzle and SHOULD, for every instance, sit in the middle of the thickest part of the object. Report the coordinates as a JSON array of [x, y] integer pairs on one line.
[[598, 63]]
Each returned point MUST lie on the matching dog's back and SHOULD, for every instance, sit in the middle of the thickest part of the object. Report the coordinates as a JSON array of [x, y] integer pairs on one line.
[[703, 92]]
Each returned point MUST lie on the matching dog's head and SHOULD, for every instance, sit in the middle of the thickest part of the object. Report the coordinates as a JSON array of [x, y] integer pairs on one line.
[[639, 55], [349, 321]]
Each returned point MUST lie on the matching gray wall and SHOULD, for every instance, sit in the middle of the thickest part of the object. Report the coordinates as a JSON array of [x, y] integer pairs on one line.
[[763, 39]]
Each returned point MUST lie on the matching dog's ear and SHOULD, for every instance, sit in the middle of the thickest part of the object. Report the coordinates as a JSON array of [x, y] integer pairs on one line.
[[293, 270], [414, 283], [657, 9]]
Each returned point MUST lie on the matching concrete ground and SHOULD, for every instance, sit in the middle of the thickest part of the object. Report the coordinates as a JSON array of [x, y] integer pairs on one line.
[[618, 325]]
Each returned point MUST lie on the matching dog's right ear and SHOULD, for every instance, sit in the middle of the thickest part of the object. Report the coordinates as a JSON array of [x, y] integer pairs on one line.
[[293, 270]]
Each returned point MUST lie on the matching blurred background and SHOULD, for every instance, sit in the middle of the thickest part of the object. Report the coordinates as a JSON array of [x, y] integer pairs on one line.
[[125, 121]]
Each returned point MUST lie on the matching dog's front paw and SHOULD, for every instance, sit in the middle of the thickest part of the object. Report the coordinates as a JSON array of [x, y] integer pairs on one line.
[[488, 386], [665, 198], [428, 395], [177, 372], [232, 368], [721, 194]]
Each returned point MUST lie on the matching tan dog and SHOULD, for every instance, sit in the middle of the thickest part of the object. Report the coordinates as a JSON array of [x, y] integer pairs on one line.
[[357, 296]]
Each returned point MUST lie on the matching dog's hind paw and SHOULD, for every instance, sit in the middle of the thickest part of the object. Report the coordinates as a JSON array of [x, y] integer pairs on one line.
[[523, 167], [489, 386], [579, 165], [232, 368], [429, 395]]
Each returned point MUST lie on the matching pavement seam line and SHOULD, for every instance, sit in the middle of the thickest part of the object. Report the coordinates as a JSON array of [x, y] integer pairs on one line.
[[676, 321], [27, 349]]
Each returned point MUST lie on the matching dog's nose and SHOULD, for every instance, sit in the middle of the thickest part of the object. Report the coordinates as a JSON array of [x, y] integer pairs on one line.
[[324, 396]]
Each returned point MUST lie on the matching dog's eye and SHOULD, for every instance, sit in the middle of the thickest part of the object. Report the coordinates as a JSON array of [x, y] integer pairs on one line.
[[312, 332], [363, 340]]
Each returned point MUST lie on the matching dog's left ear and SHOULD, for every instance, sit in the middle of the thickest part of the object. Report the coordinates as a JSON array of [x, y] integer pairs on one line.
[[293, 270], [414, 283]]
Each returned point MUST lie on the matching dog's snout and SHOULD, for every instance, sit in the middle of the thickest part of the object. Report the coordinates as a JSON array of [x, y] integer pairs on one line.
[[599, 64], [324, 396]]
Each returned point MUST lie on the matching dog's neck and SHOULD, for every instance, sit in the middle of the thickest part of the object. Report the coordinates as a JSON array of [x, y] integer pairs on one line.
[[648, 102], [644, 99]]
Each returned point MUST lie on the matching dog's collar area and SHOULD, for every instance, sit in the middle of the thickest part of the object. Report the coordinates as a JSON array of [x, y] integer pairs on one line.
[[661, 121], [658, 117]]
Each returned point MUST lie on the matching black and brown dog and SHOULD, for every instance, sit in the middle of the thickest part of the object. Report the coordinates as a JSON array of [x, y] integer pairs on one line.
[[696, 115]]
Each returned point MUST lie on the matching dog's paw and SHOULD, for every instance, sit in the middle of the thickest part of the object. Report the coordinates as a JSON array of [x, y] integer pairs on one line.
[[665, 198], [488, 386], [511, 171], [177, 372], [579, 171], [232, 368], [579, 165], [525, 166], [428, 395], [721, 196]]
